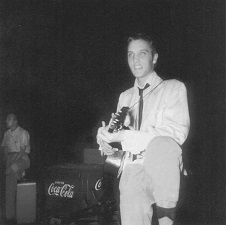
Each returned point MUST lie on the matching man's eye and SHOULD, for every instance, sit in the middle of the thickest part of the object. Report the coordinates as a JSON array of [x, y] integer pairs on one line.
[[143, 53], [130, 55]]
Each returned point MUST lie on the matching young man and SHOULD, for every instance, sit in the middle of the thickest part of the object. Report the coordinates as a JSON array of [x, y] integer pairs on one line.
[[16, 144], [158, 126]]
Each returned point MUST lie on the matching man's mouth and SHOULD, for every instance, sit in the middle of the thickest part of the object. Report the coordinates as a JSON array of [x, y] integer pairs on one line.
[[138, 67]]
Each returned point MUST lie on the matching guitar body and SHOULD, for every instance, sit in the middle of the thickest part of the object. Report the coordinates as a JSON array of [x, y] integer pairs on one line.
[[113, 163]]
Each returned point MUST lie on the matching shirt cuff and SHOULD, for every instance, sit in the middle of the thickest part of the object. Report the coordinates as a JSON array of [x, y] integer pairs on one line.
[[136, 141]]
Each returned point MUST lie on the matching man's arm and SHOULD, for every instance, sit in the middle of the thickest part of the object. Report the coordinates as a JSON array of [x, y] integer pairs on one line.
[[102, 140], [4, 148], [3, 153], [21, 153], [17, 157], [104, 146], [24, 145], [172, 121]]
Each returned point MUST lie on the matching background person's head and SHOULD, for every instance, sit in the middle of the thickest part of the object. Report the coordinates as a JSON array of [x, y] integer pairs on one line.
[[11, 121]]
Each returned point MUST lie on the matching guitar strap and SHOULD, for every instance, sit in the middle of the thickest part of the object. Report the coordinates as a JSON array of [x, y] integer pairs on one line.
[[121, 166], [127, 157]]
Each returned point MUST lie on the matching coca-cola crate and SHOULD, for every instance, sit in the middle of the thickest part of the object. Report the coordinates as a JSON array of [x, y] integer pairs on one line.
[[72, 187]]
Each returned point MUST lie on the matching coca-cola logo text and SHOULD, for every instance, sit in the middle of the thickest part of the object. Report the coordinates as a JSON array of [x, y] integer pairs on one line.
[[98, 185], [61, 189]]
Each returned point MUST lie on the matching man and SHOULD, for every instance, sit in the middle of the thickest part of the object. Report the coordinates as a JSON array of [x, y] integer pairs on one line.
[[151, 169], [16, 143]]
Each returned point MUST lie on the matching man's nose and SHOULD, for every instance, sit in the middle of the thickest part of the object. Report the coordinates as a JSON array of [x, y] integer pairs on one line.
[[136, 58]]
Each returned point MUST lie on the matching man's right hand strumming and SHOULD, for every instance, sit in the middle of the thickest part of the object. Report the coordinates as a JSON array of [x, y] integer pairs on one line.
[[104, 146]]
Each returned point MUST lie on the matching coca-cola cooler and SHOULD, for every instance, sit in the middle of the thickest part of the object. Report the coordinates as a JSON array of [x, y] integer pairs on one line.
[[71, 187]]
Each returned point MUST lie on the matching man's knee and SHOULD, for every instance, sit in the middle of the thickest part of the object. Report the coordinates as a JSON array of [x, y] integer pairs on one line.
[[161, 140], [161, 148], [14, 167], [12, 170]]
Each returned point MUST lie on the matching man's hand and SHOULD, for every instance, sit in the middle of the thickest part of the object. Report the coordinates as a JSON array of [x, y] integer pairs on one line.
[[111, 137], [104, 138], [107, 149], [99, 132]]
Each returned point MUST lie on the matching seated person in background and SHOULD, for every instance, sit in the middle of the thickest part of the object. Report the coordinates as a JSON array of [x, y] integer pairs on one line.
[[159, 122], [16, 144]]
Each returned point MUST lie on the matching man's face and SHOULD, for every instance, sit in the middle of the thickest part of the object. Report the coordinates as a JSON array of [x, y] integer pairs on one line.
[[140, 58], [10, 121]]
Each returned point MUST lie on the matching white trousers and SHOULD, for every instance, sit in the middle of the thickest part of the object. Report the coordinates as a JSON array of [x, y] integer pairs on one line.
[[14, 173], [156, 180]]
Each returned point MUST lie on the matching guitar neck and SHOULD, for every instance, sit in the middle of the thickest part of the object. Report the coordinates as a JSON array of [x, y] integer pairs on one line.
[[118, 120]]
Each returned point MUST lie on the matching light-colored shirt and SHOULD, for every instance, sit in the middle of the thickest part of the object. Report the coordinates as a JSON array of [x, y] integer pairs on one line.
[[165, 113], [14, 140]]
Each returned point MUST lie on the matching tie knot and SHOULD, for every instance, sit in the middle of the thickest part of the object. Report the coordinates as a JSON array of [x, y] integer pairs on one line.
[[142, 89]]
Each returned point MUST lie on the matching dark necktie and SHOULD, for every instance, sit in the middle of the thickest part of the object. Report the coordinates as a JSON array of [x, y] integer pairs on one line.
[[141, 104]]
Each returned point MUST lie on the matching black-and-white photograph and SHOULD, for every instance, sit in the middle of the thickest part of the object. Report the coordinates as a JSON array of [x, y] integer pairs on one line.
[[112, 112]]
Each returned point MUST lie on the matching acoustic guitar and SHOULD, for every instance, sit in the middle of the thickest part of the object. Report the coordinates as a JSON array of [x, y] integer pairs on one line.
[[113, 162]]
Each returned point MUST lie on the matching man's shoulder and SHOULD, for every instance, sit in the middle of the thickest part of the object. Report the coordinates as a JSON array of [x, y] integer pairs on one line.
[[7, 133], [173, 84], [173, 88], [22, 131], [128, 91]]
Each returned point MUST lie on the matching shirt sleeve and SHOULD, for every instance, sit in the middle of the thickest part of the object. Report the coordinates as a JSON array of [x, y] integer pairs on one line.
[[25, 141], [172, 120], [4, 141]]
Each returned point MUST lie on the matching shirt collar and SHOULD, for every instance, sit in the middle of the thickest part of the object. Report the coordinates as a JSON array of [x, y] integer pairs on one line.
[[153, 79], [15, 131]]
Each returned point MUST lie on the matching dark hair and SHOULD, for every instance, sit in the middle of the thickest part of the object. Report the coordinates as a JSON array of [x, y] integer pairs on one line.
[[144, 37]]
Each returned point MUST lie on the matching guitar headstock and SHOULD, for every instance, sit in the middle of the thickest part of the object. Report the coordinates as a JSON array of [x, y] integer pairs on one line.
[[118, 120]]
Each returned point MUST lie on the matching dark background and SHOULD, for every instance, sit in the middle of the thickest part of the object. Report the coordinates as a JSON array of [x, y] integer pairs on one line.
[[63, 65]]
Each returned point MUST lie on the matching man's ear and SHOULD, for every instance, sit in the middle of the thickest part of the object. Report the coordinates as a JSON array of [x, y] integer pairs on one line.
[[155, 58]]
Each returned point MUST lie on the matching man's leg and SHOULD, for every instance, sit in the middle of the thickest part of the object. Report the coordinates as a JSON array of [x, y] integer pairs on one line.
[[11, 185], [2, 186], [162, 168], [13, 173], [135, 206]]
